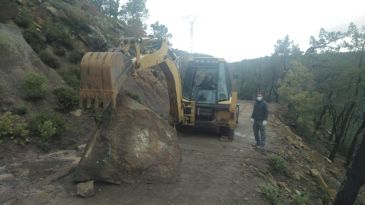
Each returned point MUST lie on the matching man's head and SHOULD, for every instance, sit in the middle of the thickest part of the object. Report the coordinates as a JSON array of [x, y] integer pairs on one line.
[[259, 96]]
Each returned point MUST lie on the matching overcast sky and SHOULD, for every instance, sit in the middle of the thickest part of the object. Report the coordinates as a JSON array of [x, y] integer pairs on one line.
[[242, 29]]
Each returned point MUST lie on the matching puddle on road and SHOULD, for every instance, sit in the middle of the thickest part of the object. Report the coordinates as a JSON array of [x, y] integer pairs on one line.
[[239, 134]]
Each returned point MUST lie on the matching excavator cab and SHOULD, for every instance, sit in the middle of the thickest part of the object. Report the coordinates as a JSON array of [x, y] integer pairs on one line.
[[207, 82]]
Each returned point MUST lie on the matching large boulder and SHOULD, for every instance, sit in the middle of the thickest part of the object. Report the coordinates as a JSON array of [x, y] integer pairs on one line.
[[151, 89], [133, 144]]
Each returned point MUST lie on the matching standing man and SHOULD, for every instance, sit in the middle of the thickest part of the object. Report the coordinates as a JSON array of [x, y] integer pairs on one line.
[[259, 120]]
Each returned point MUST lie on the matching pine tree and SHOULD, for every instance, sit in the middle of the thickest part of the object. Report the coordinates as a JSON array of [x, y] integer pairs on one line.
[[160, 30]]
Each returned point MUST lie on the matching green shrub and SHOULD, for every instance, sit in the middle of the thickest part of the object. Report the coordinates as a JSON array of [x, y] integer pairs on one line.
[[134, 96], [278, 164], [34, 39], [47, 129], [8, 10], [78, 20], [43, 125], [20, 110], [72, 78], [67, 98], [300, 198], [271, 193], [12, 126], [75, 57], [59, 51], [56, 34], [325, 196], [49, 59], [35, 86], [23, 20]]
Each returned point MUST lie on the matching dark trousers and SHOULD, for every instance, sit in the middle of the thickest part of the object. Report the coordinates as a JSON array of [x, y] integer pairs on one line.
[[259, 132]]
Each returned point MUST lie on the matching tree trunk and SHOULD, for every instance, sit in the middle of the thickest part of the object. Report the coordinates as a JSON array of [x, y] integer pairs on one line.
[[353, 143], [355, 178], [318, 123], [348, 123], [344, 120], [361, 55], [276, 95], [272, 88], [362, 126], [335, 147], [348, 191], [335, 119]]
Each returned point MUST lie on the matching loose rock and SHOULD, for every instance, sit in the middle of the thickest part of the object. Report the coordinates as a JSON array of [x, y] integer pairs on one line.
[[86, 189], [76, 113]]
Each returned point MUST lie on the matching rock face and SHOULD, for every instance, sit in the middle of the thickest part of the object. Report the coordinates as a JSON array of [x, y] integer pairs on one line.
[[17, 59], [133, 144]]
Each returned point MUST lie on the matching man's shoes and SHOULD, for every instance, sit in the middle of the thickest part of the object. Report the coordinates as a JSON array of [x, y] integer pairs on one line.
[[258, 146]]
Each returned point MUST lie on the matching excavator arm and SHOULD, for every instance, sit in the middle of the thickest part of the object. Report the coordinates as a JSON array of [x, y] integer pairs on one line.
[[103, 73]]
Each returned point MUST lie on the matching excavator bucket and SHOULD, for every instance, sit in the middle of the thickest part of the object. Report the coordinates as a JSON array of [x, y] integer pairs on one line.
[[102, 74]]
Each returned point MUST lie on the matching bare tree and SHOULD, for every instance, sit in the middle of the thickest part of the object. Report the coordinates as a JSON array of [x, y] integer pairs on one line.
[[355, 177]]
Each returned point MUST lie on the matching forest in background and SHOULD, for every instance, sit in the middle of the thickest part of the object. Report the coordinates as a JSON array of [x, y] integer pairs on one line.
[[323, 87], [323, 90]]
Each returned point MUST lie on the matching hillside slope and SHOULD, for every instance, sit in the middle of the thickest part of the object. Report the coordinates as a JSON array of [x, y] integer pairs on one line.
[[50, 37], [16, 60]]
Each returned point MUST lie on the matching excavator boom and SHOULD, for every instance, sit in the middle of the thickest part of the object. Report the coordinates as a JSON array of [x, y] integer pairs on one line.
[[103, 73]]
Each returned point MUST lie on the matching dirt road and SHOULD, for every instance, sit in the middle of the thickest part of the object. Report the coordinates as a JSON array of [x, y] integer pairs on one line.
[[212, 172]]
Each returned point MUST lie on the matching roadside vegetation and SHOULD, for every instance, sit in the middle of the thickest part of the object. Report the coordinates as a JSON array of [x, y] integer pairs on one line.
[[278, 164], [271, 193]]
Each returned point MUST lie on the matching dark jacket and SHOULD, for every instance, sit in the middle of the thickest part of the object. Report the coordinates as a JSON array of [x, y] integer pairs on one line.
[[260, 111]]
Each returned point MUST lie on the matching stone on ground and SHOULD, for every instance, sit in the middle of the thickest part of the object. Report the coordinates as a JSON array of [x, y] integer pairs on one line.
[[86, 189]]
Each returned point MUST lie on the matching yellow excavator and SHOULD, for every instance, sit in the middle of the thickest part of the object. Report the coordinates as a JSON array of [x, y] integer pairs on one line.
[[203, 99]]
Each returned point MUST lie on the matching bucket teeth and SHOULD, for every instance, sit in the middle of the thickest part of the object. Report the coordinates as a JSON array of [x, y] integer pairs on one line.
[[102, 74]]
